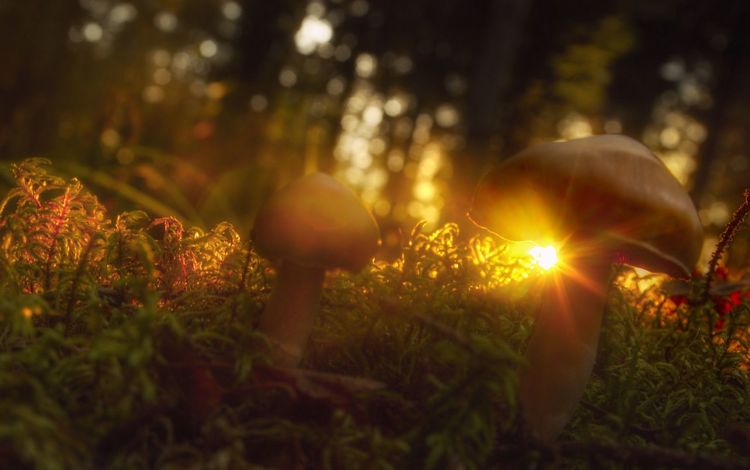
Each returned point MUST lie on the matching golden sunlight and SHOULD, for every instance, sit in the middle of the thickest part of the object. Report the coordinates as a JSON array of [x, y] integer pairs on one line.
[[544, 256]]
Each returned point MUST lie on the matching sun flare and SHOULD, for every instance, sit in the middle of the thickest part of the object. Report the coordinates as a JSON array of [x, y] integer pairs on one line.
[[544, 256]]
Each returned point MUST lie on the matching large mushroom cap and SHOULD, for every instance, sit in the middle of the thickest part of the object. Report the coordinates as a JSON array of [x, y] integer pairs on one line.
[[611, 189], [316, 222]]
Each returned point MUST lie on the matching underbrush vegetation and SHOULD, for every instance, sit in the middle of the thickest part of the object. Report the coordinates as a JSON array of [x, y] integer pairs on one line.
[[130, 342]]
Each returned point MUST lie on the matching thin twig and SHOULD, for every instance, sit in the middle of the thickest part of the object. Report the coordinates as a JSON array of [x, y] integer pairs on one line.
[[245, 269], [437, 327], [647, 433], [651, 456], [243, 280], [726, 237], [648, 456]]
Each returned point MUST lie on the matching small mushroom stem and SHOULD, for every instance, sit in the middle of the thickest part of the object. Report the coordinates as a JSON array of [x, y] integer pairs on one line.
[[290, 314], [562, 349]]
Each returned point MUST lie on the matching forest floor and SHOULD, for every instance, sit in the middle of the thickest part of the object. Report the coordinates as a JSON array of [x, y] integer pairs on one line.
[[128, 341]]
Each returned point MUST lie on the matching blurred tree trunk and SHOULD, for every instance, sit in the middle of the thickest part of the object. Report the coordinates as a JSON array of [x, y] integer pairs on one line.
[[264, 44], [730, 76], [487, 102], [494, 70], [34, 46]]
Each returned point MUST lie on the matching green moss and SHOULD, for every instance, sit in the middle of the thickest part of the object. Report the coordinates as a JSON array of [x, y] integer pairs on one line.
[[130, 342]]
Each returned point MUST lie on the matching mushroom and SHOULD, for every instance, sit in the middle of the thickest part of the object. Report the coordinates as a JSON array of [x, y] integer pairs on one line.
[[603, 199], [312, 225]]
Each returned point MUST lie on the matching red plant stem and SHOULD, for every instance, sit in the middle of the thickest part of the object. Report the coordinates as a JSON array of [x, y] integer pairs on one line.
[[59, 222], [32, 195], [727, 235]]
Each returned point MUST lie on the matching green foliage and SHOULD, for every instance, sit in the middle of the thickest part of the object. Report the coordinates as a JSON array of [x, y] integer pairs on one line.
[[582, 71], [671, 382], [580, 74], [129, 342]]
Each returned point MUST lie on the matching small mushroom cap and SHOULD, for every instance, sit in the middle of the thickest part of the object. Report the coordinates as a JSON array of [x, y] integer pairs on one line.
[[316, 222], [608, 190]]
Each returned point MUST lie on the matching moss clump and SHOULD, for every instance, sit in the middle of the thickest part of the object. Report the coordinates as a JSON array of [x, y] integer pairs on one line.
[[130, 342]]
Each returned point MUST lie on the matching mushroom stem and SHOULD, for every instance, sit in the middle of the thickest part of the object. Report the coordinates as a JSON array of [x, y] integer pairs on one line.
[[290, 314], [562, 349]]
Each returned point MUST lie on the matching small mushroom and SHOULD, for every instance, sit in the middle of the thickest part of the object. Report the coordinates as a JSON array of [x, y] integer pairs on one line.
[[602, 200], [312, 225]]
